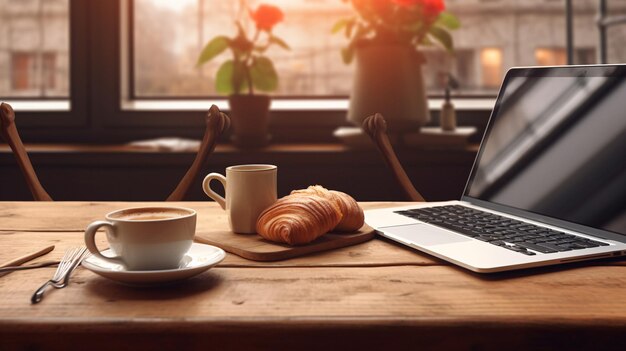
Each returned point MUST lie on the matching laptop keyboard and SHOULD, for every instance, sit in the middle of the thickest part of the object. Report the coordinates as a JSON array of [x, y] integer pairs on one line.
[[518, 236]]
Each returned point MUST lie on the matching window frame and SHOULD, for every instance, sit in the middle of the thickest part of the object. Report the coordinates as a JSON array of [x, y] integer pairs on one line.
[[103, 111], [128, 22], [59, 117]]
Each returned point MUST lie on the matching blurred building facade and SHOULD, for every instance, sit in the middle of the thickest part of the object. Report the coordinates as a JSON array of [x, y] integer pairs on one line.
[[34, 48], [495, 35], [168, 36]]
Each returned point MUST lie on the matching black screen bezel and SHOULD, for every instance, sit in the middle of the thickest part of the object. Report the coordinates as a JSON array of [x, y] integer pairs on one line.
[[545, 72]]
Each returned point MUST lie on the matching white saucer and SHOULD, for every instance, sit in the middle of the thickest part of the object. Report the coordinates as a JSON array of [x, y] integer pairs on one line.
[[198, 259]]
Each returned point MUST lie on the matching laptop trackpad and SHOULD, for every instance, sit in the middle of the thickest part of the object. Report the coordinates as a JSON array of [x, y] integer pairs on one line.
[[424, 235]]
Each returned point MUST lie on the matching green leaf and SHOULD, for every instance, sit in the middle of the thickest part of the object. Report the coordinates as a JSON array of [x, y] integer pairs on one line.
[[426, 41], [339, 25], [230, 78], [347, 54], [443, 37], [278, 41], [448, 20], [264, 76], [213, 48], [224, 78]]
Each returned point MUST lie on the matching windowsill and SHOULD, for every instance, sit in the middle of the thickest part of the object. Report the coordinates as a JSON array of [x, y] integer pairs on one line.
[[40, 105], [461, 104], [276, 148]]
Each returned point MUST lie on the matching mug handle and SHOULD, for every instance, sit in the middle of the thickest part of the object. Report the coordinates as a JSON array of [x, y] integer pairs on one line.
[[90, 241], [206, 186]]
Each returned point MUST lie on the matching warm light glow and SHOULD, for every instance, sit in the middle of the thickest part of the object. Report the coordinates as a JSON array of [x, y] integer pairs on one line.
[[491, 64], [491, 57], [550, 57]]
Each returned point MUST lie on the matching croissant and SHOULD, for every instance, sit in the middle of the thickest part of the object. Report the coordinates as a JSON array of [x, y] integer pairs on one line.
[[298, 220], [353, 217]]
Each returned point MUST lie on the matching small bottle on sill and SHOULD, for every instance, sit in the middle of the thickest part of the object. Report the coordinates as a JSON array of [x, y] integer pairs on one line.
[[447, 117]]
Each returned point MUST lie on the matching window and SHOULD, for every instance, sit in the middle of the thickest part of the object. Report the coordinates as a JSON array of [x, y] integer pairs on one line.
[[26, 76], [22, 67], [585, 56], [34, 48], [494, 36], [127, 67], [168, 37], [551, 57], [491, 67], [558, 56], [49, 70], [439, 64]]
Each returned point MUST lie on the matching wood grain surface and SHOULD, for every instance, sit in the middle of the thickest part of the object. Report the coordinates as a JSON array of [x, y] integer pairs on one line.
[[254, 247], [379, 252], [75, 216], [374, 295]]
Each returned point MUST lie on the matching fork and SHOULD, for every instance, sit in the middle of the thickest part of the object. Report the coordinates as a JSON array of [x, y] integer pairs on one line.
[[71, 259]]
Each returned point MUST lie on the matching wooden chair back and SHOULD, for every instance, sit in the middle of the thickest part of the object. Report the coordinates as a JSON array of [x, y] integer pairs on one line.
[[216, 122], [12, 137], [376, 127]]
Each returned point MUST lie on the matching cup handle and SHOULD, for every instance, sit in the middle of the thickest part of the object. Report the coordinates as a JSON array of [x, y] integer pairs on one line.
[[206, 186], [90, 241]]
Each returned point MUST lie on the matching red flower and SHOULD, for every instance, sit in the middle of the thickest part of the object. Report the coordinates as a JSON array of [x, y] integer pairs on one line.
[[433, 7], [266, 16]]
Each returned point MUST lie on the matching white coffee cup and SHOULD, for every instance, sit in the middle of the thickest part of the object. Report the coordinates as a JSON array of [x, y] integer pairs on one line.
[[145, 238], [249, 189]]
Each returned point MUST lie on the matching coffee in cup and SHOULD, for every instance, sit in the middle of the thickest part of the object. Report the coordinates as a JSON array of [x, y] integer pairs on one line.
[[142, 214], [145, 238]]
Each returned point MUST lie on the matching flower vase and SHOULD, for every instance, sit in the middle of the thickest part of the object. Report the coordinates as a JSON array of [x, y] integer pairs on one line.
[[388, 80], [249, 116]]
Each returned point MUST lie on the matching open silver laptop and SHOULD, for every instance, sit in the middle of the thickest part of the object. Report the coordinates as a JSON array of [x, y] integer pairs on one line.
[[549, 182]]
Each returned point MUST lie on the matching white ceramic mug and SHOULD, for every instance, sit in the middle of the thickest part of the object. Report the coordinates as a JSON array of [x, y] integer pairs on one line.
[[249, 189], [145, 238]]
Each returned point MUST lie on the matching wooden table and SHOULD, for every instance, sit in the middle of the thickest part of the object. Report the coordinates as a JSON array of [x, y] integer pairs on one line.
[[375, 295]]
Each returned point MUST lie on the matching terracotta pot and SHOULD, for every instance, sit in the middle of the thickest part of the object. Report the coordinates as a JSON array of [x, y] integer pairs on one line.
[[388, 79], [249, 116]]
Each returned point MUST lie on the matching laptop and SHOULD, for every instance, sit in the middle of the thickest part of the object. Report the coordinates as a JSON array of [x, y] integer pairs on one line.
[[548, 185]]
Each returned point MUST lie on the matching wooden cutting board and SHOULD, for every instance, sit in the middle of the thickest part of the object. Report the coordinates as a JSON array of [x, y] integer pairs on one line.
[[254, 247]]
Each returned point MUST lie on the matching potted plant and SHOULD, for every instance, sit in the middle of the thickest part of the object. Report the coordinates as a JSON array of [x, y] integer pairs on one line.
[[249, 70], [385, 37]]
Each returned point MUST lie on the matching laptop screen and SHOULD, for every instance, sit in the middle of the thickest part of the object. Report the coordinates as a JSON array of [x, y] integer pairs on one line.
[[556, 146]]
